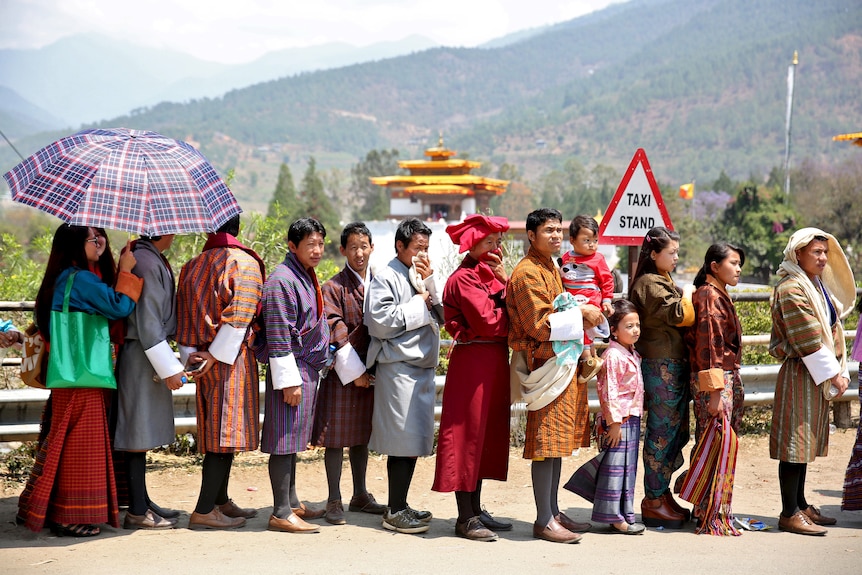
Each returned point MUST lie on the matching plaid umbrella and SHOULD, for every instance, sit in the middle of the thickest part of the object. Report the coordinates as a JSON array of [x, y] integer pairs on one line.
[[132, 180]]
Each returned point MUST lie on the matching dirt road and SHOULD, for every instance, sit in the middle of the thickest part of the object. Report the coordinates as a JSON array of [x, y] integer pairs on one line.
[[363, 547]]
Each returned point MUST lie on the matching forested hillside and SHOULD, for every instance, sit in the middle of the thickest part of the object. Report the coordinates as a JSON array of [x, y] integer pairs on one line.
[[700, 84]]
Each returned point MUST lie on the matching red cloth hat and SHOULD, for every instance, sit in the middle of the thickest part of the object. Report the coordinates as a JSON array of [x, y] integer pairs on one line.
[[474, 229]]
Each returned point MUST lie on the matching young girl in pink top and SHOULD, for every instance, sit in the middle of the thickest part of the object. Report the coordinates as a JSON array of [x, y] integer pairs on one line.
[[608, 480]]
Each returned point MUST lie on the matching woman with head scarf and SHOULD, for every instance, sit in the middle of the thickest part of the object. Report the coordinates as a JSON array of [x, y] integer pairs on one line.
[[473, 440], [816, 291]]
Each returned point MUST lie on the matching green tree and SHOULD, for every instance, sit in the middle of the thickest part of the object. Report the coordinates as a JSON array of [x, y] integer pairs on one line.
[[373, 199], [317, 205], [284, 205]]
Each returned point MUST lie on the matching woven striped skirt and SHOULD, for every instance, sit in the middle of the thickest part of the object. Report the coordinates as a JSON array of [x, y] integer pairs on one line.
[[852, 500]]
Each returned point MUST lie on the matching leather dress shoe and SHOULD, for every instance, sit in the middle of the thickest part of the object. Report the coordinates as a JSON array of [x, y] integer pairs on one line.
[[161, 511], [657, 512], [305, 512], [571, 524], [492, 523], [231, 509], [676, 506], [293, 524], [148, 520], [335, 512], [799, 523], [814, 515], [474, 529], [366, 504], [215, 519], [555, 533]]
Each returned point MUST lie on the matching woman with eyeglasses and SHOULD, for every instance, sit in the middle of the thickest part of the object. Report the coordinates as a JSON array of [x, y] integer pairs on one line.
[[71, 486]]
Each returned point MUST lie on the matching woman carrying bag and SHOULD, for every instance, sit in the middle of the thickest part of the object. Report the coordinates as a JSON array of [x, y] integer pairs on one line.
[[75, 488]]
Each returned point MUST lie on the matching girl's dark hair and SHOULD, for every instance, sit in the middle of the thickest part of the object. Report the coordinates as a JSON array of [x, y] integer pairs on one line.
[[656, 240], [585, 222], [622, 308], [67, 250], [716, 253]]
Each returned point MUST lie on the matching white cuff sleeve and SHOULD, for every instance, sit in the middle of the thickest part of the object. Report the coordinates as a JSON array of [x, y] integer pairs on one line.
[[225, 346], [822, 365], [163, 360], [416, 313], [348, 366], [185, 352], [285, 372], [433, 288], [567, 325]]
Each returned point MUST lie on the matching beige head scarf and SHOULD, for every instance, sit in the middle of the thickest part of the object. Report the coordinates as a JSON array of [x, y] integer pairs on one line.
[[837, 277]]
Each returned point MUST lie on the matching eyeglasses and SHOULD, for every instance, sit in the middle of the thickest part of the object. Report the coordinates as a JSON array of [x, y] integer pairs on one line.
[[95, 240]]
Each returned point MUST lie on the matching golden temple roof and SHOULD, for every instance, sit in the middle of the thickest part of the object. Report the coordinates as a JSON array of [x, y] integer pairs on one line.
[[856, 138]]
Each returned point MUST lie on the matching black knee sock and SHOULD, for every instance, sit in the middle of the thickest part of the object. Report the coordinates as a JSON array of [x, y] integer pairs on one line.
[[295, 503], [788, 481], [136, 462], [281, 470], [222, 496], [358, 455], [333, 459], [465, 506], [543, 477], [216, 467], [555, 485], [801, 502], [476, 499], [400, 471]]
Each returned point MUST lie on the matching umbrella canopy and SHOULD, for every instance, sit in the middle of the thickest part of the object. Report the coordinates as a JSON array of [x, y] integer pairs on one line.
[[131, 180]]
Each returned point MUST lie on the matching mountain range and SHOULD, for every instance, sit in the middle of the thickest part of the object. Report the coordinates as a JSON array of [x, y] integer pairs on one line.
[[699, 84]]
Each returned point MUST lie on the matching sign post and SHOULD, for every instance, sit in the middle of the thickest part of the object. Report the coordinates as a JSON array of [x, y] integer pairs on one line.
[[636, 207]]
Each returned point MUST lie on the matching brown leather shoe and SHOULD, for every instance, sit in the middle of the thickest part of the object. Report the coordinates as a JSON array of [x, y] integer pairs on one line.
[[366, 504], [676, 506], [555, 533], [305, 512], [335, 512], [571, 524], [231, 509], [293, 524], [799, 523], [215, 519], [814, 515], [148, 520], [474, 529], [658, 513]]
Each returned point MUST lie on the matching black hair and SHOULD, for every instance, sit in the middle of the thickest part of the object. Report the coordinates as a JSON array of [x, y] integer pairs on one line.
[[230, 227], [302, 228], [538, 217], [657, 239], [716, 253], [68, 250], [407, 229], [585, 222], [358, 228], [622, 308]]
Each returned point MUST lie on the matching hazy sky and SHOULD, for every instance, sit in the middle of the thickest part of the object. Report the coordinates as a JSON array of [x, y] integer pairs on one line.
[[233, 31]]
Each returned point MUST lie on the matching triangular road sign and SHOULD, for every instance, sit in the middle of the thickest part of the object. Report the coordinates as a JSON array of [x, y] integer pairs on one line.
[[636, 207]]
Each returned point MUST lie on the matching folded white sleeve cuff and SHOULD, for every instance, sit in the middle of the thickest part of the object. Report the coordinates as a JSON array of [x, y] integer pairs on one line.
[[567, 325], [163, 360], [434, 291], [416, 313], [285, 372], [185, 352], [822, 365], [225, 346], [348, 366]]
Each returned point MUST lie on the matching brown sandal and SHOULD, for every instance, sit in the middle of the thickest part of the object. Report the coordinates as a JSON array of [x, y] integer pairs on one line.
[[75, 530]]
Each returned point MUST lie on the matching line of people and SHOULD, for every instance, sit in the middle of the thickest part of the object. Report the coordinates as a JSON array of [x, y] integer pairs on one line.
[[351, 364]]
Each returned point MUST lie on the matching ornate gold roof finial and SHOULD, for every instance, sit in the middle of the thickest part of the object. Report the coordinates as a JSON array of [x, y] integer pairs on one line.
[[440, 140], [795, 58]]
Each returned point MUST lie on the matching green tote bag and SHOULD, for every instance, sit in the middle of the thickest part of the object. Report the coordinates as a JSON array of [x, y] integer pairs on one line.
[[80, 354]]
